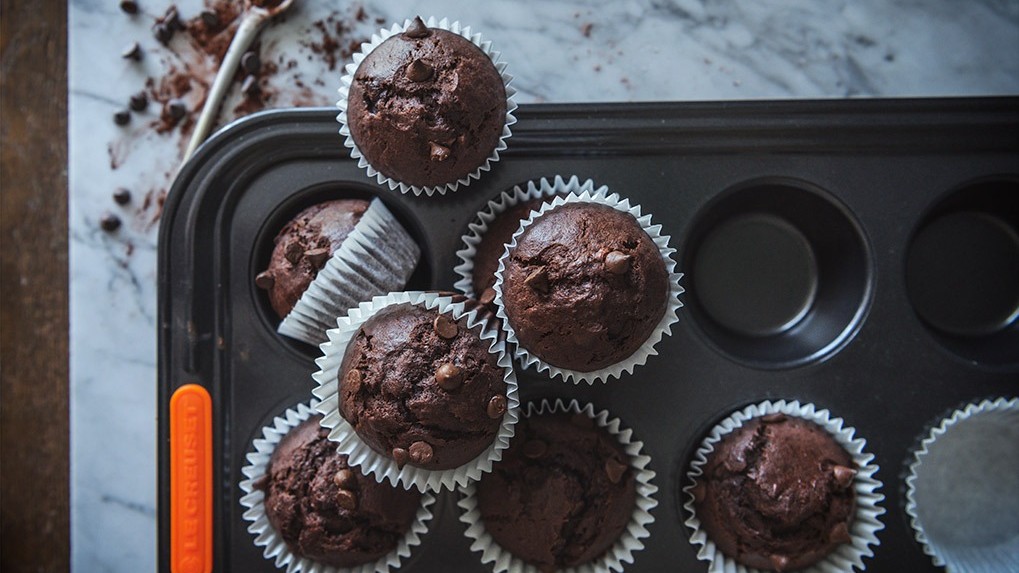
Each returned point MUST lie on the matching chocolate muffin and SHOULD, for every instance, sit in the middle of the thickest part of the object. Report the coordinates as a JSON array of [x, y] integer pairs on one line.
[[328, 512], [777, 494], [584, 287], [422, 388], [493, 245], [562, 494], [426, 107], [303, 247]]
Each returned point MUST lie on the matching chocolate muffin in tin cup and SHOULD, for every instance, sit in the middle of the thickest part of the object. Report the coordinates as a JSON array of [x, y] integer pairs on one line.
[[608, 513], [426, 106], [962, 490], [323, 518], [417, 388], [487, 236], [332, 256], [780, 486], [587, 285]]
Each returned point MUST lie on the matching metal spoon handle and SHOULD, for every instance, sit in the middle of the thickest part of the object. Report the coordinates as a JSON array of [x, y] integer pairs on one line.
[[248, 29]]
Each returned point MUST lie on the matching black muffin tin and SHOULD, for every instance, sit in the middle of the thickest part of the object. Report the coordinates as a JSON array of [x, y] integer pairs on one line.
[[861, 255]]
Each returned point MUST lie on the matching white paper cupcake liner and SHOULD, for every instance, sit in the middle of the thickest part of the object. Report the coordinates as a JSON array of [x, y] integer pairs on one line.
[[348, 79], [541, 189], [572, 191], [962, 491], [863, 531], [630, 540], [377, 257], [266, 536], [361, 454]]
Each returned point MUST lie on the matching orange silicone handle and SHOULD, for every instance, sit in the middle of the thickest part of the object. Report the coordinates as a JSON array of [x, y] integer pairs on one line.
[[191, 480]]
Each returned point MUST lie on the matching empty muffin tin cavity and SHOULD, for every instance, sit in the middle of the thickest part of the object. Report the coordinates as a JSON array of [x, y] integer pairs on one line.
[[780, 273], [289, 208], [962, 272]]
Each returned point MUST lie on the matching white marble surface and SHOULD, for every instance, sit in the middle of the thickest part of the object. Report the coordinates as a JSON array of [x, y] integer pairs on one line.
[[558, 50]]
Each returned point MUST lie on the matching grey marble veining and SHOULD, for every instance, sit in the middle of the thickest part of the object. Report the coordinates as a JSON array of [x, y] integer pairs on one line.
[[558, 51]]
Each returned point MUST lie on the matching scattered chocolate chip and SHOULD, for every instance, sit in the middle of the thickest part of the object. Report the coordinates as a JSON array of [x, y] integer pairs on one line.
[[163, 33], [617, 263], [209, 17], [251, 62], [354, 378], [417, 29], [250, 87], [293, 253], [345, 479], [264, 280], [420, 453], [496, 406], [449, 376], [138, 101], [418, 71], [438, 152], [400, 456], [122, 117], [445, 327], [121, 196], [317, 257], [487, 296], [534, 449], [132, 52], [614, 469], [843, 476], [346, 499], [734, 464], [773, 418], [538, 280], [176, 108], [779, 562], [109, 222], [129, 6], [839, 533]]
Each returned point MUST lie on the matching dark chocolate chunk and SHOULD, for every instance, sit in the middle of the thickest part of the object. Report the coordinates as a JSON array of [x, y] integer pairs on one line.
[[293, 253], [418, 71], [438, 152], [346, 499], [614, 470], [843, 476], [445, 327], [138, 101], [400, 456], [617, 263], [417, 29], [538, 280], [176, 108], [129, 6], [264, 280], [420, 452], [317, 257], [210, 18], [496, 406], [109, 222], [122, 117], [132, 52], [251, 62], [121, 196], [345, 479], [449, 376]]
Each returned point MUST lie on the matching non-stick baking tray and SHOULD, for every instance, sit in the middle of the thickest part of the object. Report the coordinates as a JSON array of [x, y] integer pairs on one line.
[[850, 310]]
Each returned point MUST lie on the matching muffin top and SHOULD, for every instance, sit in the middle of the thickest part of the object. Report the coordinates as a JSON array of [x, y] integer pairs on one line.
[[426, 107], [326, 511], [561, 495], [584, 287], [493, 245], [422, 388], [777, 493], [303, 247]]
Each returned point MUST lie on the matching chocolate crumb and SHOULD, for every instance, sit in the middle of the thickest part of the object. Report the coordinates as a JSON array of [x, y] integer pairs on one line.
[[138, 101], [132, 52], [121, 196], [209, 17], [109, 222], [122, 117], [129, 7]]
